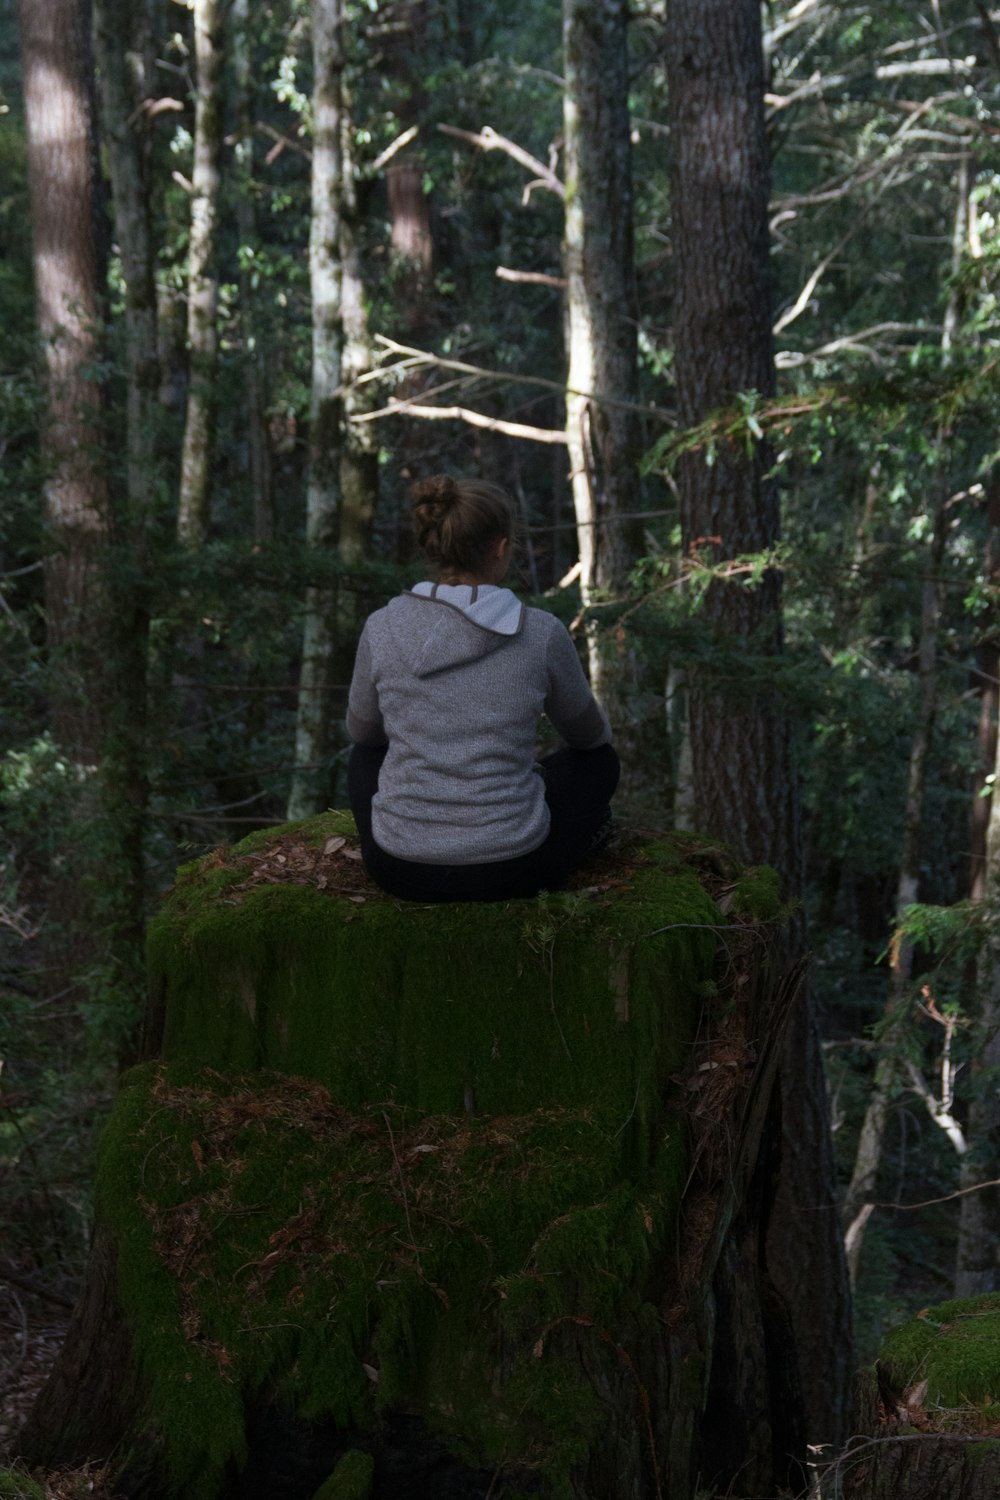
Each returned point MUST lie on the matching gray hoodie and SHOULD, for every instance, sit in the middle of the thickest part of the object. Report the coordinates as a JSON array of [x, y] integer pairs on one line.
[[455, 679]]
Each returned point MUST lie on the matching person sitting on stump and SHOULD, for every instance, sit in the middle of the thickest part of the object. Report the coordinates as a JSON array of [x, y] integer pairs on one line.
[[449, 683]]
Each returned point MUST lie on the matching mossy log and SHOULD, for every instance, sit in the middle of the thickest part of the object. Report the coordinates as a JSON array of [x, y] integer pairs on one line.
[[927, 1414], [474, 1193]]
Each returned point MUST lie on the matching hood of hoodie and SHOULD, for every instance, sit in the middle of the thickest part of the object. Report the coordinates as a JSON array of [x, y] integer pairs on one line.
[[439, 625]]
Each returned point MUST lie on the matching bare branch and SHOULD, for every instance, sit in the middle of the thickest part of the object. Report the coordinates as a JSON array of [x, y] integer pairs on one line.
[[488, 139], [415, 357], [539, 278], [281, 142], [385, 157], [463, 414]]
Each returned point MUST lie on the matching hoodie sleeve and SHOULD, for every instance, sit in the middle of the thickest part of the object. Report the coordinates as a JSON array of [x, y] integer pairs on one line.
[[569, 703], [364, 717]]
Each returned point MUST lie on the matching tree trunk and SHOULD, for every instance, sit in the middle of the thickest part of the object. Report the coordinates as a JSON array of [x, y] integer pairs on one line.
[[75, 494], [122, 31], [203, 279], [313, 725], [359, 456], [744, 789], [258, 446], [60, 166], [601, 319]]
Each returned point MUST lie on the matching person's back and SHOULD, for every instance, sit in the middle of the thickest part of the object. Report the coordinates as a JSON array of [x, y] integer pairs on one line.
[[449, 684]]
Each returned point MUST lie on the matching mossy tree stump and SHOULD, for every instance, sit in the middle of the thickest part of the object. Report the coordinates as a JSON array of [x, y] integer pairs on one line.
[[489, 1180], [927, 1414]]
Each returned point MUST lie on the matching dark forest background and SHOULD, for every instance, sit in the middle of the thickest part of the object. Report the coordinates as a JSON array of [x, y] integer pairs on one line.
[[262, 266]]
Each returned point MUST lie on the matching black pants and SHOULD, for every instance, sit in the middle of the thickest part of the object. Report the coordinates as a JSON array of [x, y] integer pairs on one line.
[[578, 788]]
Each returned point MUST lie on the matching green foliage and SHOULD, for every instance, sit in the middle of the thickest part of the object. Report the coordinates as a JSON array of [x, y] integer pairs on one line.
[[15, 1485]]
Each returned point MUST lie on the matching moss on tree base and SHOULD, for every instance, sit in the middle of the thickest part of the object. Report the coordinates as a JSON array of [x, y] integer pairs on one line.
[[928, 1412]]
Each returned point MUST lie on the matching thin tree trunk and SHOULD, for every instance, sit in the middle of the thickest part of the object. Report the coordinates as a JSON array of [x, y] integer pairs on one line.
[[359, 455], [313, 728], [255, 405], [203, 280], [744, 788], [122, 30], [602, 440]]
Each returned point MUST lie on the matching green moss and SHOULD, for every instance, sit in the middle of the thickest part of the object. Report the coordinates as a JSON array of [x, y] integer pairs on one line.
[[955, 1347], [15, 1485], [334, 1233], [269, 1240], [757, 895], [565, 998], [351, 1479]]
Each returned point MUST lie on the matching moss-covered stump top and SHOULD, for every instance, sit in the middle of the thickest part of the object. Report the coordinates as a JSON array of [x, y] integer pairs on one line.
[[279, 953], [948, 1357]]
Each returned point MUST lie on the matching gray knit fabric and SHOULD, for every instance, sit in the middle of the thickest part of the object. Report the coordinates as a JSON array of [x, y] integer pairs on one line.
[[455, 678]]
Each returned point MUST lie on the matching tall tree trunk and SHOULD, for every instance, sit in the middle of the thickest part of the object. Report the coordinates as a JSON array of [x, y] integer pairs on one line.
[[61, 160], [122, 31], [861, 1194], [313, 728], [254, 368], [359, 455], [203, 280], [598, 263], [60, 166], [744, 788]]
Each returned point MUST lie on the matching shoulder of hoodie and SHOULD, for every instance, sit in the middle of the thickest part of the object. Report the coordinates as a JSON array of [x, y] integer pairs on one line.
[[540, 623]]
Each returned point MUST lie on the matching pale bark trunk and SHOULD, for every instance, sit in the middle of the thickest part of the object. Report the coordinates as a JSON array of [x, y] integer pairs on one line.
[[602, 440], [203, 280], [745, 792], [313, 729], [359, 457], [259, 449]]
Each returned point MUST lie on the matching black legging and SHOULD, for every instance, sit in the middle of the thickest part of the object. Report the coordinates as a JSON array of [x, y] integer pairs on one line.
[[578, 788]]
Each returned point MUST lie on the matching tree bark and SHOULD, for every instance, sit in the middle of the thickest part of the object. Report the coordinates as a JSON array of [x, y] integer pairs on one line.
[[258, 446], [122, 31], [601, 321], [69, 314], [359, 456], [313, 727], [203, 280], [744, 789]]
